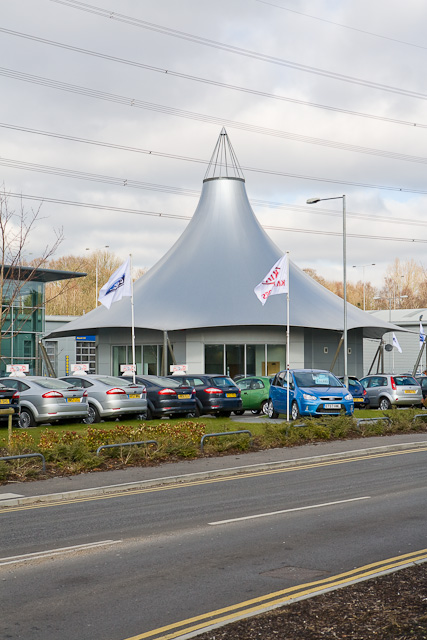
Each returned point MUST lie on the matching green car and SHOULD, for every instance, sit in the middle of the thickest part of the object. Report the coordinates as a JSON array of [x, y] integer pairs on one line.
[[255, 393]]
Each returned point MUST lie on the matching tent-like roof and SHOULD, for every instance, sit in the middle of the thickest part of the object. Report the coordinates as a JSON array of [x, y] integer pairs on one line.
[[208, 276]]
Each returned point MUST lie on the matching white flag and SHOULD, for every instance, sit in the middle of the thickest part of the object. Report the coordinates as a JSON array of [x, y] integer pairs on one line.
[[396, 344], [422, 335], [119, 285], [275, 282]]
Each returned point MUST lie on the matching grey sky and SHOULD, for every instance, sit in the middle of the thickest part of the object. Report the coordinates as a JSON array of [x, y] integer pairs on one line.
[[255, 26]]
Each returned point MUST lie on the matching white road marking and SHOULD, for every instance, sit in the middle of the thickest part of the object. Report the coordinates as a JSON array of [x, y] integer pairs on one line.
[[275, 513], [9, 496], [55, 552]]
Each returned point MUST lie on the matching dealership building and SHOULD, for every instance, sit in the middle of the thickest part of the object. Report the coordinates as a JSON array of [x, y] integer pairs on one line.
[[197, 306]]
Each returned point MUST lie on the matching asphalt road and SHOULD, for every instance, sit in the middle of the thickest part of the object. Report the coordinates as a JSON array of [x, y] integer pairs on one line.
[[174, 552]]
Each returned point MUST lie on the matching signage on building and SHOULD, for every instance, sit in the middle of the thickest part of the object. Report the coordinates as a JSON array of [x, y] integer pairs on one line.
[[178, 368], [127, 368], [85, 338], [17, 369]]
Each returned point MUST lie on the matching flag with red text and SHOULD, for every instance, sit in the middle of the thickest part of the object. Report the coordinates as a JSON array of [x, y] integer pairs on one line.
[[275, 282]]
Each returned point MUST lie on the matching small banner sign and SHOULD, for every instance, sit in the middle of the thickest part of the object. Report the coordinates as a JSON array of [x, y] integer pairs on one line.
[[81, 367], [17, 369], [127, 368], [178, 368]]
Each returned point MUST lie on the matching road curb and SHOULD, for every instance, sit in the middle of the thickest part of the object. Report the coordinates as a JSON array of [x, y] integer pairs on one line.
[[205, 475]]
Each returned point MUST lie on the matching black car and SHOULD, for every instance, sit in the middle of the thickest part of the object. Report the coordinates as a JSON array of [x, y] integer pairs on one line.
[[166, 397], [9, 399], [215, 393]]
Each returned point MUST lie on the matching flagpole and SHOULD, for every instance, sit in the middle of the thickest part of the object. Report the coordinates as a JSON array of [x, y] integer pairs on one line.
[[287, 339], [133, 322]]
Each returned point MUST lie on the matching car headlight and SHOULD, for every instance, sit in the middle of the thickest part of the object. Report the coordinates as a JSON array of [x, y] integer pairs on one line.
[[307, 396], [348, 397]]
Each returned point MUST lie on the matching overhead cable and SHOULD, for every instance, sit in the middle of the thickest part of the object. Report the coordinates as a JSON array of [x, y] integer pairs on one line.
[[169, 72], [135, 22], [191, 115], [180, 217]]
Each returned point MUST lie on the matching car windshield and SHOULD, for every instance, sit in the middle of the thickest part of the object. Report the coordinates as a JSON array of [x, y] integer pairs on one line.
[[223, 382], [52, 383], [112, 381], [405, 381], [316, 379]]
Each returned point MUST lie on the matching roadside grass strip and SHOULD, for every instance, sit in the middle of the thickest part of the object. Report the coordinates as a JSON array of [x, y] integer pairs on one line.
[[206, 622]]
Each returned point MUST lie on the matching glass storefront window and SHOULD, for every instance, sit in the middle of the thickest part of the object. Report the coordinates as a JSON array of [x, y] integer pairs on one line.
[[150, 359], [214, 358], [234, 359]]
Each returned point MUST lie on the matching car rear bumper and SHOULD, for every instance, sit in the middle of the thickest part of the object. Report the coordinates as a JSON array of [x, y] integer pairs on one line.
[[123, 407], [174, 407], [215, 405]]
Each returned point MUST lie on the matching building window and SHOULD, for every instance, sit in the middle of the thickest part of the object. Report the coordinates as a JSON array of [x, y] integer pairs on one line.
[[245, 359], [86, 353]]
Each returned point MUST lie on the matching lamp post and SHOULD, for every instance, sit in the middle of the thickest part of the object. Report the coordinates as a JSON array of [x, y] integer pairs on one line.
[[344, 261], [96, 271], [356, 266]]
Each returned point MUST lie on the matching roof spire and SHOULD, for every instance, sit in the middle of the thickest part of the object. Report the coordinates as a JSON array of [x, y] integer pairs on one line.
[[223, 163]]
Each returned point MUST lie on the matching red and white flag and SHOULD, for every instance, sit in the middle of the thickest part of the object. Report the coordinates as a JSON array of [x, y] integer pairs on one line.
[[275, 282]]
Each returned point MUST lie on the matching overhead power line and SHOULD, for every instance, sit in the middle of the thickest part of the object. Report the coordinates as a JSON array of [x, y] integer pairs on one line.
[[181, 217], [135, 22], [169, 72], [191, 115], [344, 26], [120, 147]]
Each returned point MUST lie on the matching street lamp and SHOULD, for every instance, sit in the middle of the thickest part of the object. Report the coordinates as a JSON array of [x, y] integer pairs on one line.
[[106, 246], [344, 261], [355, 266]]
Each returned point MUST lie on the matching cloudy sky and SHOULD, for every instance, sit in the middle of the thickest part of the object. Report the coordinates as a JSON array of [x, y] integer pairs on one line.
[[323, 98]]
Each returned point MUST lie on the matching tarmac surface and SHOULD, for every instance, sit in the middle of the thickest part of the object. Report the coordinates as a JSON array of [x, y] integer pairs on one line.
[[97, 483]]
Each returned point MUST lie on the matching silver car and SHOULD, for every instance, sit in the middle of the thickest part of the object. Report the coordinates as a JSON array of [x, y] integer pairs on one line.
[[110, 397], [47, 400], [385, 390]]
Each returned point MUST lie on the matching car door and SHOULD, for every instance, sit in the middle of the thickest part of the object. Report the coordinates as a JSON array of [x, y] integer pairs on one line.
[[375, 388], [279, 392]]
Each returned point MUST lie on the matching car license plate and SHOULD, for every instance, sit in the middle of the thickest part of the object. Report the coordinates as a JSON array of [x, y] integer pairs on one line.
[[4, 401], [410, 391], [184, 396], [231, 395], [358, 399], [133, 395], [73, 399], [332, 406]]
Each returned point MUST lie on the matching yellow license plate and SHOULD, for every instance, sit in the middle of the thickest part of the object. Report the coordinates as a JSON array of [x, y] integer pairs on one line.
[[73, 399], [410, 391], [133, 395], [4, 401], [231, 395], [358, 399], [184, 396]]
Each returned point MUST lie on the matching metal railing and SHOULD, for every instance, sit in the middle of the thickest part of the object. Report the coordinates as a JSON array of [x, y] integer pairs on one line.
[[224, 433], [419, 415], [360, 420], [125, 444], [27, 455]]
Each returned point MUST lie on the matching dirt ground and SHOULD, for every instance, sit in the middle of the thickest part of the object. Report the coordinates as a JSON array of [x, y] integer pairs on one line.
[[390, 607]]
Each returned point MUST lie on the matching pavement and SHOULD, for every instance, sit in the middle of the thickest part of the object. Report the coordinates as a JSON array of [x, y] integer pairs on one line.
[[103, 482]]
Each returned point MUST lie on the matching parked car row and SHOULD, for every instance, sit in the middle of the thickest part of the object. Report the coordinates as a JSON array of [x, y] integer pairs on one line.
[[315, 392]]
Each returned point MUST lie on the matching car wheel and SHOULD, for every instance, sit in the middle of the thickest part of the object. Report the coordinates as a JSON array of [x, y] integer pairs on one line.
[[384, 404], [270, 410], [149, 414], [26, 419], [256, 412], [264, 407], [92, 415], [295, 414], [239, 412]]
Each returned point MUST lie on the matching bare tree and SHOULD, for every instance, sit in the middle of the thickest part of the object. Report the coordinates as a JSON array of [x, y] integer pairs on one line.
[[16, 227]]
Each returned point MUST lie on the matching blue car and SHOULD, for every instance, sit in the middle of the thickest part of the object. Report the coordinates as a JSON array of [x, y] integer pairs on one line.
[[312, 392], [359, 393]]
